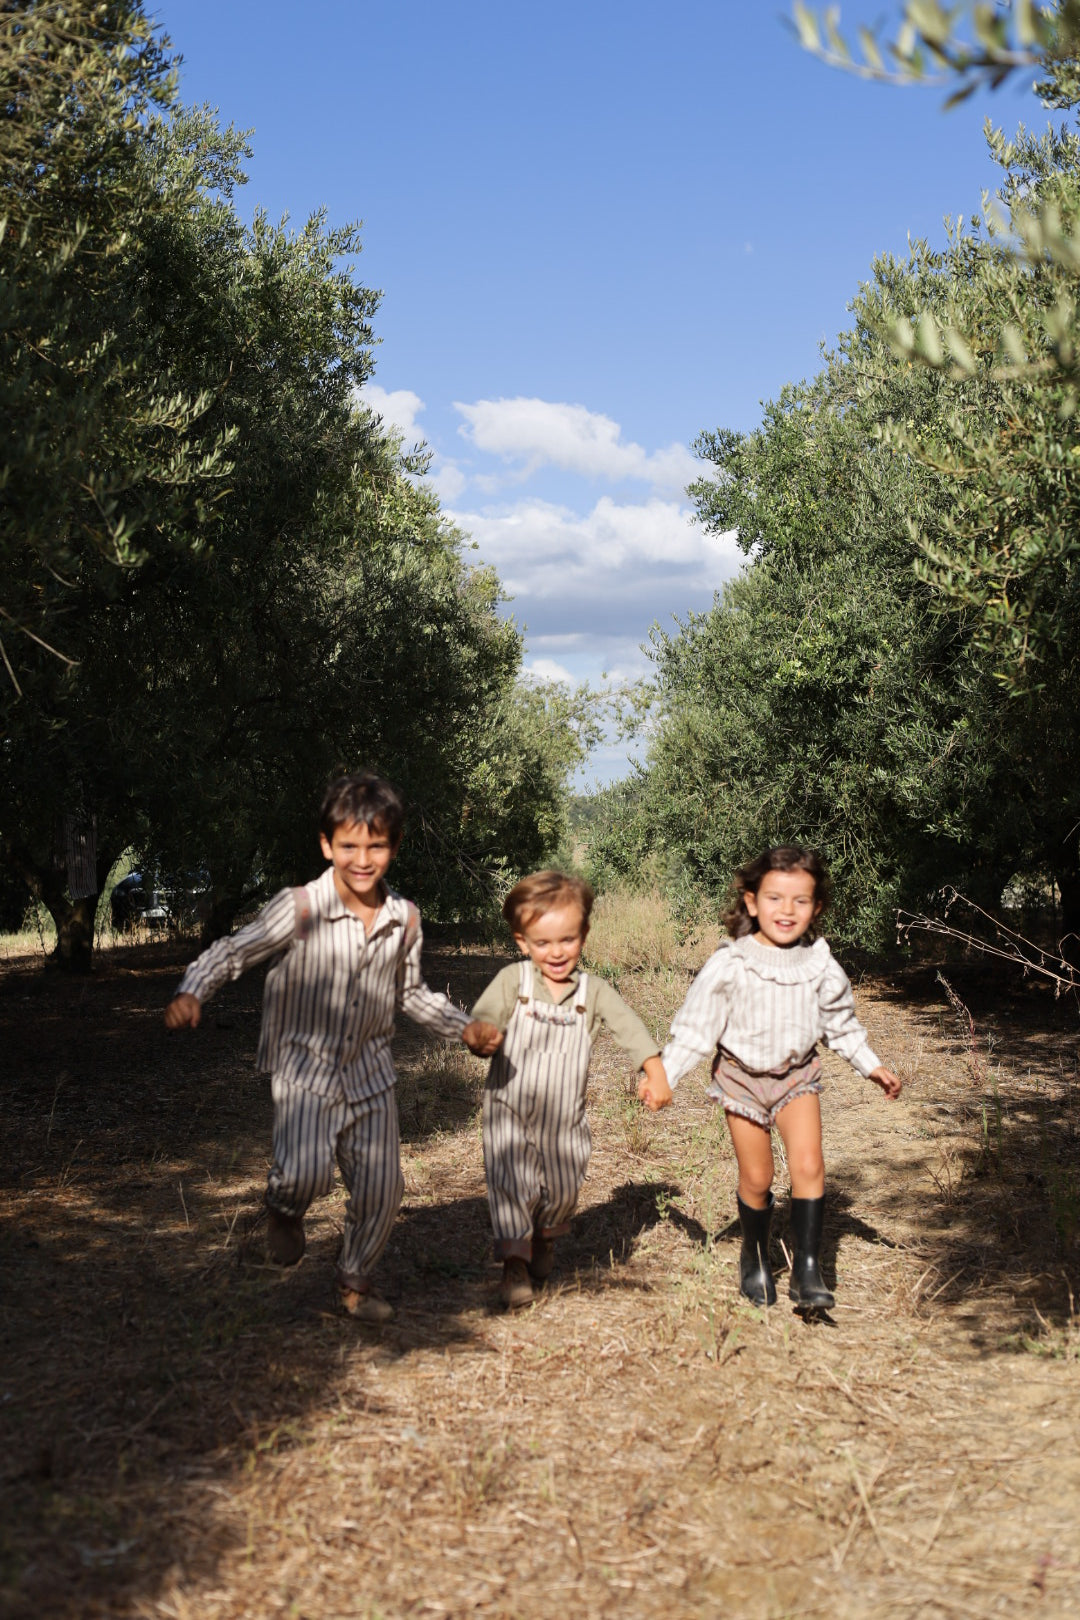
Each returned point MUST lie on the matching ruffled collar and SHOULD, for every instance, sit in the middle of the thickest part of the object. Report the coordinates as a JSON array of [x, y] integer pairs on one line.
[[791, 964]]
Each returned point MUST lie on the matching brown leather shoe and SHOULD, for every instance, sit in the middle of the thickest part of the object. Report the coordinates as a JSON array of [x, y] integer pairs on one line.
[[542, 1263], [285, 1239], [365, 1305], [515, 1289]]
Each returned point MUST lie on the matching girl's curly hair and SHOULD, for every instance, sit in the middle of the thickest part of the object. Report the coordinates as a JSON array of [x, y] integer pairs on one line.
[[749, 878]]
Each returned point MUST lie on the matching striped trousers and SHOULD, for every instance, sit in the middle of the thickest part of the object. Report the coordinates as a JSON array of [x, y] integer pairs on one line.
[[310, 1132]]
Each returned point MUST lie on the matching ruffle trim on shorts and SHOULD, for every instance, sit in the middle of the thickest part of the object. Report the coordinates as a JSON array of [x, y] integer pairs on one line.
[[716, 1094]]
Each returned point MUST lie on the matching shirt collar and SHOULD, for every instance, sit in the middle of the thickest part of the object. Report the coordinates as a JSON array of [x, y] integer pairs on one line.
[[540, 986], [801, 963], [393, 912]]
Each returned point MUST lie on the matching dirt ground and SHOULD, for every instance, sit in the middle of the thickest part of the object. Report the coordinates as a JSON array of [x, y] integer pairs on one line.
[[187, 1433]]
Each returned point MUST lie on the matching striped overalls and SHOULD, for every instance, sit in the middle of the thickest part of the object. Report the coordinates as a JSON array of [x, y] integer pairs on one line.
[[536, 1136]]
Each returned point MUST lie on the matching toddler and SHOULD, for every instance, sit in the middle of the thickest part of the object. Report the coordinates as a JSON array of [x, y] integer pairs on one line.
[[536, 1135]]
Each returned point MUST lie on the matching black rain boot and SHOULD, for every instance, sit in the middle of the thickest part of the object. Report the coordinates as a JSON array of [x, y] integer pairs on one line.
[[807, 1287], [755, 1278]]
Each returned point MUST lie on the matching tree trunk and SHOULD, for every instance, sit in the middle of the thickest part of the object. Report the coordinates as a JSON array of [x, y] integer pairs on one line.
[[231, 893], [73, 919], [75, 934]]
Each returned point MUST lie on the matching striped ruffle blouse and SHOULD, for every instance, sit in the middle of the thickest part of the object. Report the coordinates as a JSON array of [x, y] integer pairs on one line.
[[768, 1005]]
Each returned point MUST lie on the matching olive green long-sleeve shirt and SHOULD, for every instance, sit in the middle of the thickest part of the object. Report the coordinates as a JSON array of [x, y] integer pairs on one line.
[[604, 1007]]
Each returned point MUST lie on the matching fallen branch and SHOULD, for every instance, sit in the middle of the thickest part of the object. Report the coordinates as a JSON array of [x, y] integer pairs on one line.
[[1007, 943]]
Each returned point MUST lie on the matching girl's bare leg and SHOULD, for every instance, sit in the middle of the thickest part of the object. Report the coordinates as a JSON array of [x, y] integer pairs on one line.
[[799, 1125], [753, 1149]]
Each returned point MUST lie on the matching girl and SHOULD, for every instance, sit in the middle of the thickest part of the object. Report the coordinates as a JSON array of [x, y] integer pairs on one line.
[[761, 1003]]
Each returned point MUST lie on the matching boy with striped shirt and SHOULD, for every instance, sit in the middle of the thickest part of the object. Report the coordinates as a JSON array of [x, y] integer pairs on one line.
[[349, 957]]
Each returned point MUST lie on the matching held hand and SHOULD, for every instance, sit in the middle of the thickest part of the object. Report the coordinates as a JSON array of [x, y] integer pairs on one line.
[[653, 1088], [482, 1038], [890, 1083], [183, 1010]]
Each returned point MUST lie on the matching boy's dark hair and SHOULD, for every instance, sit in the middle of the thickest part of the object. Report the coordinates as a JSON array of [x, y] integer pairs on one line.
[[364, 798], [749, 878], [542, 892]]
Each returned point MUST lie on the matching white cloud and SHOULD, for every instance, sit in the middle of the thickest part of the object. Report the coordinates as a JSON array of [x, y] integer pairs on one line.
[[539, 433], [543, 550], [597, 655], [448, 479], [399, 409], [604, 575], [547, 669], [587, 582]]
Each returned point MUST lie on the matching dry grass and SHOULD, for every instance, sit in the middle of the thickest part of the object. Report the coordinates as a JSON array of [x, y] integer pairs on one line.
[[189, 1434], [636, 933], [37, 938], [30, 942]]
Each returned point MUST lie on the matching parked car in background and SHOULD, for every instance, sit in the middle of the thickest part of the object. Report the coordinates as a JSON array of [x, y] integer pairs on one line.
[[135, 900], [156, 900]]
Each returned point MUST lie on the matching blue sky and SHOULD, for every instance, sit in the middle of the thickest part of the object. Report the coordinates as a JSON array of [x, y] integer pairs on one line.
[[598, 229]]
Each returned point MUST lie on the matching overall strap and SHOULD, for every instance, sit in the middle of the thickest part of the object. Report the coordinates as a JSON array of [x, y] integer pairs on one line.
[[582, 992], [302, 917], [409, 935], [525, 983]]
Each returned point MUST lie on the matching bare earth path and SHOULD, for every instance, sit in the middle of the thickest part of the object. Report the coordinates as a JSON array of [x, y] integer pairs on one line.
[[186, 1433]]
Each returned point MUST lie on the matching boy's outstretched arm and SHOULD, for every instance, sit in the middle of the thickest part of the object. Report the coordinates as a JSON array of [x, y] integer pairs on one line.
[[481, 1037], [183, 1009], [653, 1088], [227, 958]]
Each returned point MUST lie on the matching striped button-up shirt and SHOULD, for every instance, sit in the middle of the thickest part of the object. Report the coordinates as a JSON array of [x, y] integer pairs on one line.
[[330, 1001], [768, 1005]]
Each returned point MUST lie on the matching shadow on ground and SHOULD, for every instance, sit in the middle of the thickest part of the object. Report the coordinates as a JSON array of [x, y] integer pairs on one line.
[[148, 1351], [999, 1222]]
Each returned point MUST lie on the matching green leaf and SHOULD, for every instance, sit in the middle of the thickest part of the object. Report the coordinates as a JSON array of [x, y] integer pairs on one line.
[[835, 38], [931, 20], [928, 338], [1013, 344], [870, 50], [1027, 24], [990, 29], [807, 24], [962, 94], [959, 350]]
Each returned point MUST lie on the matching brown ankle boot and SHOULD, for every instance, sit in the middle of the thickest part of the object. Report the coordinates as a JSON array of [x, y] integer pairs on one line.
[[365, 1305], [285, 1239], [515, 1289], [542, 1263]]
